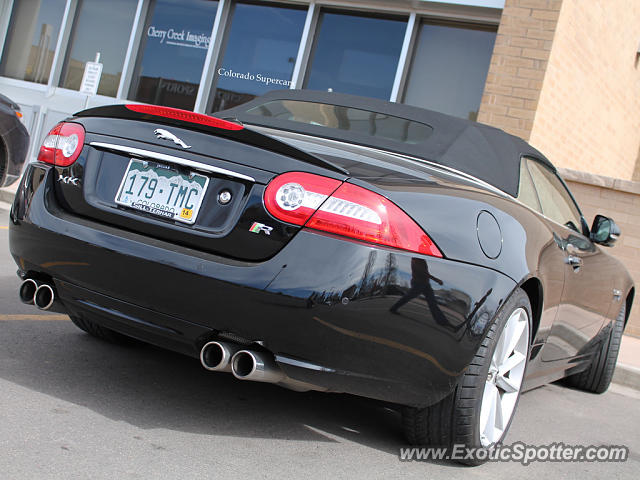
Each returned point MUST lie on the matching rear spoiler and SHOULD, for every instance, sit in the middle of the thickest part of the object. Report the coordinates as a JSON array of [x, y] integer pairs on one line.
[[231, 129]]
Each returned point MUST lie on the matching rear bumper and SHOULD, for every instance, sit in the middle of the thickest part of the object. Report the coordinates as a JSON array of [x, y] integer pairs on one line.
[[321, 305]]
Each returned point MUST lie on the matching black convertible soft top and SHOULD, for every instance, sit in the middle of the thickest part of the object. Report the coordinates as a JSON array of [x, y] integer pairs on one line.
[[479, 150]]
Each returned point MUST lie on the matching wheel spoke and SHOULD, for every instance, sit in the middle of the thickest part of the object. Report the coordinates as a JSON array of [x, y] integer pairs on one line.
[[500, 423], [506, 384], [516, 328], [510, 363], [493, 366], [488, 412]]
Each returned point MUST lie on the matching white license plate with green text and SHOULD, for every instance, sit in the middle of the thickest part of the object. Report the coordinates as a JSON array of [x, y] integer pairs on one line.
[[160, 190]]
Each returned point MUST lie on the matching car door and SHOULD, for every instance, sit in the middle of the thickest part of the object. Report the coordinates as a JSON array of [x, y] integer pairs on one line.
[[588, 285], [549, 264]]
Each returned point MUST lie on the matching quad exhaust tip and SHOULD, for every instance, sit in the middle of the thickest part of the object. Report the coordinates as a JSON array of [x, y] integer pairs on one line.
[[255, 366], [41, 295], [44, 297], [216, 356], [28, 290], [249, 365]]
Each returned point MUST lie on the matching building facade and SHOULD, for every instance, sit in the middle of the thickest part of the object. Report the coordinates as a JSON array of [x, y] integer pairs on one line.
[[562, 74]]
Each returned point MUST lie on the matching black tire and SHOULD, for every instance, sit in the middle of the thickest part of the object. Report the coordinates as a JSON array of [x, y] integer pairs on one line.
[[455, 420], [101, 332], [597, 377], [3, 162]]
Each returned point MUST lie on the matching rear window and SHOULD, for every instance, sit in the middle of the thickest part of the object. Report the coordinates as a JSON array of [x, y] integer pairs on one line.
[[348, 119]]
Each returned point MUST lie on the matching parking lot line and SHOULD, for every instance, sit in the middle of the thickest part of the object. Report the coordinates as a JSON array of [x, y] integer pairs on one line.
[[36, 317], [4, 228]]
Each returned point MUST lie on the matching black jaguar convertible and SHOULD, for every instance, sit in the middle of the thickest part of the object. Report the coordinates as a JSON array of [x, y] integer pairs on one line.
[[328, 242]]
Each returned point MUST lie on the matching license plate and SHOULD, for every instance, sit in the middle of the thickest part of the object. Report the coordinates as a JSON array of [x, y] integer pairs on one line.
[[160, 190]]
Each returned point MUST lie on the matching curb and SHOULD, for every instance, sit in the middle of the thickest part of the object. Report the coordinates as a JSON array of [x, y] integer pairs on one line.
[[7, 194], [627, 376]]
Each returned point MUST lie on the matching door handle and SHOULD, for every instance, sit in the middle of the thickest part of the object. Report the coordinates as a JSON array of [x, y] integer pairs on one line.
[[575, 262]]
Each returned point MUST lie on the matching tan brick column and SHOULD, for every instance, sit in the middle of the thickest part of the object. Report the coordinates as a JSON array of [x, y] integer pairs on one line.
[[588, 113], [518, 65]]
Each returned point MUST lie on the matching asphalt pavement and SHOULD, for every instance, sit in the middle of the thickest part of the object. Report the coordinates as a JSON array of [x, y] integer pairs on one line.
[[76, 407]]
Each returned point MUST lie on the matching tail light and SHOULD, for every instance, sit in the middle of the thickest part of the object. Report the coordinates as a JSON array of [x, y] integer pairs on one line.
[[185, 116], [344, 209], [63, 144]]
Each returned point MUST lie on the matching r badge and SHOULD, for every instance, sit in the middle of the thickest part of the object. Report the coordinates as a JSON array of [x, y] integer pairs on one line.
[[260, 227]]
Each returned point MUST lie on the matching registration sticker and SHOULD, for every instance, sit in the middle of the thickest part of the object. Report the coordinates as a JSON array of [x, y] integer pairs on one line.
[[186, 213]]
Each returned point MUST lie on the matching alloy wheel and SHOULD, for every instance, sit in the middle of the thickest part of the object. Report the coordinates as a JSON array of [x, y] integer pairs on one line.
[[504, 379]]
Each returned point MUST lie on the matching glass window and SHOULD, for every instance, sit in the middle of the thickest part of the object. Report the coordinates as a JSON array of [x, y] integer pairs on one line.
[[364, 122], [556, 202], [356, 54], [526, 191], [449, 68], [31, 39], [175, 42], [102, 27], [260, 53]]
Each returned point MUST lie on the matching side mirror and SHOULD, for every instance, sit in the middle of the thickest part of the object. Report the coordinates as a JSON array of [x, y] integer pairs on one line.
[[604, 231]]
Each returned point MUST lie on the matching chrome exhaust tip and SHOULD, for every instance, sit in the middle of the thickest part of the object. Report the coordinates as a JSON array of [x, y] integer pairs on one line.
[[27, 291], [255, 366], [216, 356], [44, 297]]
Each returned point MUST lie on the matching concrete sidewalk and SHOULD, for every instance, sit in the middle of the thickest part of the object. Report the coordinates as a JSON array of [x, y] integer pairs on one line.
[[628, 368], [627, 371]]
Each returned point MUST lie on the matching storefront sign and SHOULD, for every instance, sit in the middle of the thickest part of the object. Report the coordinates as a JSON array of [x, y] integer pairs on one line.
[[180, 38], [257, 77]]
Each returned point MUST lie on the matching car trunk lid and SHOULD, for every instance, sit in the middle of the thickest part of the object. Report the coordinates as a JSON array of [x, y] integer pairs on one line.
[[212, 180]]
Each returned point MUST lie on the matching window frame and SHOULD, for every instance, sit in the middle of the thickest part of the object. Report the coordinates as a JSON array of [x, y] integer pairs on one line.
[[525, 169], [398, 85], [225, 33], [412, 51], [584, 228], [65, 58], [59, 47], [414, 14], [133, 69]]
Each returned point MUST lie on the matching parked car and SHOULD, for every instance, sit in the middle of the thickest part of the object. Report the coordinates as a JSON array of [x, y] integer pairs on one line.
[[14, 142], [328, 242]]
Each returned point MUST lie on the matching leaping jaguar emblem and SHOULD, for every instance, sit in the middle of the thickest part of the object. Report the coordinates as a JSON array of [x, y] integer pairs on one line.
[[163, 134]]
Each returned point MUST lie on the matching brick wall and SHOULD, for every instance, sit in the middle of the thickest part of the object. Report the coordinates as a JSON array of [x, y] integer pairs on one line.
[[619, 200], [518, 65], [588, 115], [565, 76]]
